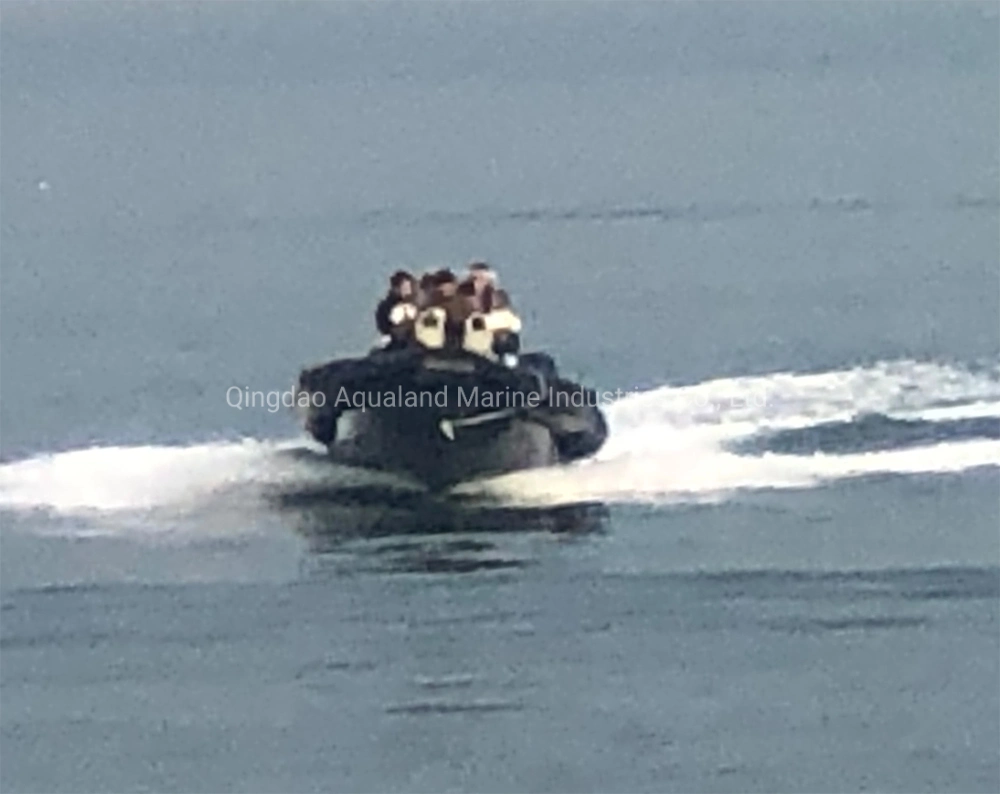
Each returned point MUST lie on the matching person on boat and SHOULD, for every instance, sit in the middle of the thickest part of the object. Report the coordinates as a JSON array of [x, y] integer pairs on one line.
[[499, 313], [425, 288], [492, 331], [458, 308], [482, 277], [445, 286], [504, 324], [437, 291], [397, 311], [455, 301]]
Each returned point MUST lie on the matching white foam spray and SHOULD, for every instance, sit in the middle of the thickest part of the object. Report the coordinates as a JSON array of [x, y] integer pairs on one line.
[[668, 444], [673, 444]]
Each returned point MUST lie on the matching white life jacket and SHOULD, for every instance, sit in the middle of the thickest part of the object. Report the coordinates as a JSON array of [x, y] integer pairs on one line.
[[503, 320], [402, 312], [478, 337], [429, 328]]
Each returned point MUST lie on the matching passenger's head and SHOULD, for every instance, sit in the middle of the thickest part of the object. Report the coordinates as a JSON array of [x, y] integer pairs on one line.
[[425, 289], [402, 284], [482, 275], [445, 283]]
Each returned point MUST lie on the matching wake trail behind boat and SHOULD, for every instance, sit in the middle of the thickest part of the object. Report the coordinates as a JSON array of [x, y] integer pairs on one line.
[[176, 479], [668, 444]]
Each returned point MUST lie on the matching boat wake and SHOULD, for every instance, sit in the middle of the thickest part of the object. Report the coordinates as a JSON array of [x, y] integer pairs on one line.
[[667, 445], [785, 430]]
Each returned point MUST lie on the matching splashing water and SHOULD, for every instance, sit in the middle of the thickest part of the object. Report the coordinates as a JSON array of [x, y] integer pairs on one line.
[[675, 444], [668, 444]]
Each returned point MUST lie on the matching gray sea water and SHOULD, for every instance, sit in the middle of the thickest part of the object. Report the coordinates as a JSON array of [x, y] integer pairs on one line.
[[775, 226]]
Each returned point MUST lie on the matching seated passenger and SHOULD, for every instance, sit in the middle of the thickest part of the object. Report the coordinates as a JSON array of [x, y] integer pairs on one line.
[[481, 277], [505, 326], [395, 313], [445, 285], [434, 286], [499, 314], [458, 309], [425, 289]]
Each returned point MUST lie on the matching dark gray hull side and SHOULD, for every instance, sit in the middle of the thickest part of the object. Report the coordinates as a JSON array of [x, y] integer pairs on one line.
[[411, 442]]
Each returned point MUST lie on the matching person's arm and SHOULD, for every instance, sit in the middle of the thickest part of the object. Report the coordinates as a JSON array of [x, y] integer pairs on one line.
[[383, 323]]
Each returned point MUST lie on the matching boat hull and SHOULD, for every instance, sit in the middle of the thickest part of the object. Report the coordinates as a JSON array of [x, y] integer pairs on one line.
[[447, 439], [418, 443]]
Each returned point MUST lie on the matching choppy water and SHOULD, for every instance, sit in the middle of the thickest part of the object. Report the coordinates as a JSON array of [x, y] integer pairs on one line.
[[776, 228]]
